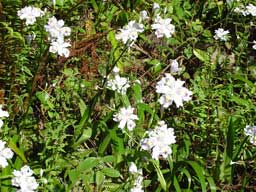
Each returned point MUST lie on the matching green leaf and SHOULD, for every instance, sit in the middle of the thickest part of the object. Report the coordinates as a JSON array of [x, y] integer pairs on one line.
[[94, 5], [111, 172], [202, 55], [82, 106], [199, 172], [240, 101], [160, 175], [112, 39], [189, 178], [176, 184], [88, 163], [16, 150], [118, 142], [73, 175], [248, 82], [211, 184], [44, 98], [226, 168], [137, 93], [99, 178], [104, 144], [87, 133]]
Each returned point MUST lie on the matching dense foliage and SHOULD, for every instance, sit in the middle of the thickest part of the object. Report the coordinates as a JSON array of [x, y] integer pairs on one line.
[[130, 95]]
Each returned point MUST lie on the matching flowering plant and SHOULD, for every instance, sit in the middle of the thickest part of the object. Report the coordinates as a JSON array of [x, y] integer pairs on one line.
[[127, 95]]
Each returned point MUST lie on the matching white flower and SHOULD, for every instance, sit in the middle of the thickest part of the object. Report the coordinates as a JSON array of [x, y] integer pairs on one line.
[[254, 46], [251, 131], [156, 6], [159, 141], [60, 47], [175, 66], [134, 170], [30, 14], [130, 32], [56, 29], [138, 185], [5, 153], [125, 117], [116, 69], [3, 113], [251, 9], [24, 180], [143, 15], [221, 35], [173, 91], [241, 9], [163, 27], [57, 33], [119, 84]]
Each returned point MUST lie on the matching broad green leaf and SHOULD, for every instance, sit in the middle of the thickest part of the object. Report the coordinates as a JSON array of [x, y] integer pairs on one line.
[[88, 163], [137, 93], [118, 142], [16, 150], [112, 39], [44, 98], [202, 55], [73, 175], [99, 178], [111, 172], [87, 133]]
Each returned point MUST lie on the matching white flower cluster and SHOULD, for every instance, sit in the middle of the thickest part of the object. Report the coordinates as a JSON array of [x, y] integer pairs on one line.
[[57, 33], [129, 33], [163, 27], [125, 117], [137, 186], [30, 14], [172, 91], [24, 180], [159, 141], [246, 10], [5, 153], [117, 83], [251, 132], [221, 34], [2, 114]]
